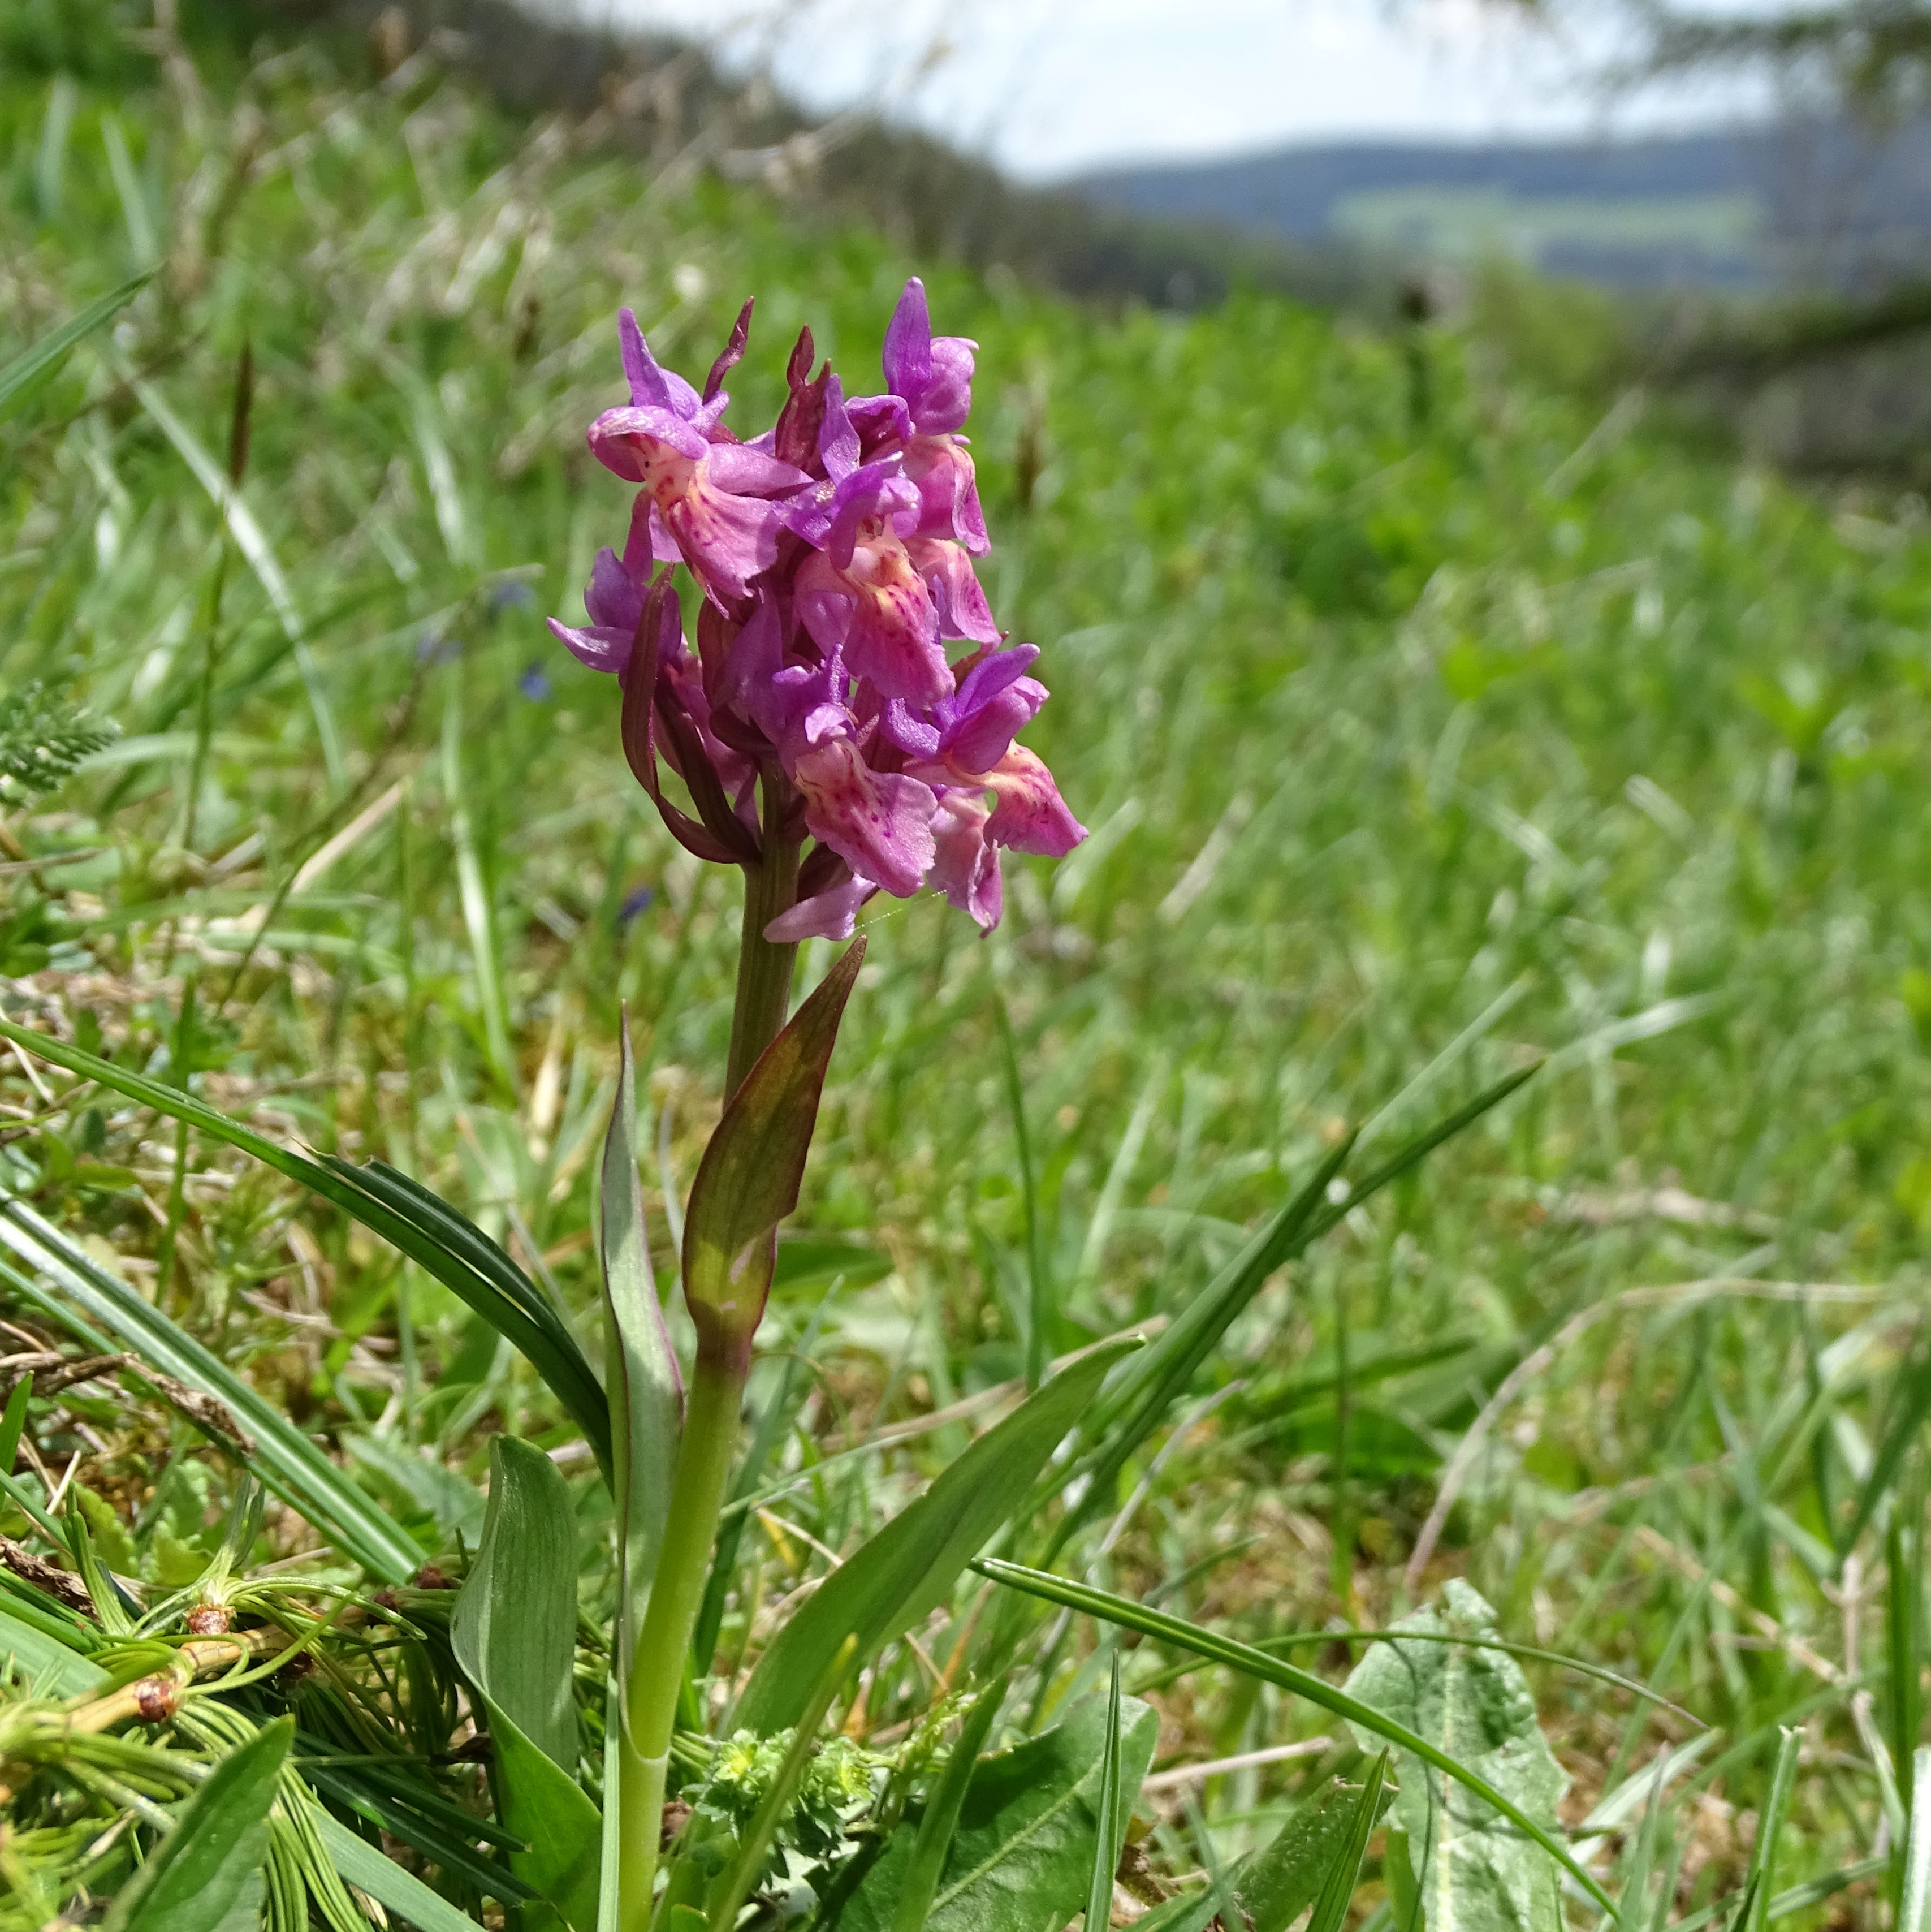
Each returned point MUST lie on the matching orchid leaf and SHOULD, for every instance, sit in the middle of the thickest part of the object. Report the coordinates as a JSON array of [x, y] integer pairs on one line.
[[286, 1461], [197, 1873], [562, 1829], [909, 1567], [513, 1629], [1243, 1656], [747, 1180], [646, 1400], [431, 1232]]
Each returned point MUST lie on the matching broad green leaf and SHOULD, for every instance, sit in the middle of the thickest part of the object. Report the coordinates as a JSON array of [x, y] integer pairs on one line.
[[385, 1882], [646, 1396], [910, 1566], [453, 1249], [552, 1814], [1337, 1889], [747, 1180], [1244, 1656], [1914, 1903], [1478, 1874], [287, 1461], [21, 374], [513, 1629], [43, 1659], [193, 1877], [1021, 1857], [1278, 1883]]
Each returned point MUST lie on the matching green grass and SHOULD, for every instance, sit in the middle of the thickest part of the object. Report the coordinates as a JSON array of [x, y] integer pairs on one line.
[[1425, 724]]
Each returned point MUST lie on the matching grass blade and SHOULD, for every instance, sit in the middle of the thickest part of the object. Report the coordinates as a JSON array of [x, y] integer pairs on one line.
[[1913, 1904], [24, 370], [390, 1205], [1111, 1608], [1331, 1909], [1110, 1825], [290, 1463]]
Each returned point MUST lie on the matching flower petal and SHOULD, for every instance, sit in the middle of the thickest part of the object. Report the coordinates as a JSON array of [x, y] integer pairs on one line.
[[965, 864], [651, 386], [961, 604], [878, 823], [1029, 816], [830, 914], [602, 648]]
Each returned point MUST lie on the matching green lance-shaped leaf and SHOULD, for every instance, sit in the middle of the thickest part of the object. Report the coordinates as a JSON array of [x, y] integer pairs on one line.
[[1478, 1873], [1244, 1656], [515, 1632], [13, 1423], [640, 1376], [198, 1871], [449, 1245], [909, 1567], [513, 1629], [747, 1180], [1021, 1856], [21, 375]]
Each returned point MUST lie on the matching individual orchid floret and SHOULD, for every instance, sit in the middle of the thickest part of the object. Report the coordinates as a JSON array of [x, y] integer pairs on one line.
[[706, 499], [615, 601], [879, 822], [861, 594], [929, 378]]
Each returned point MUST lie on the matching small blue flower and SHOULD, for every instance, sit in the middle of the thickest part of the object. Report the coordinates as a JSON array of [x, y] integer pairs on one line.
[[535, 682], [638, 902], [511, 595], [433, 648]]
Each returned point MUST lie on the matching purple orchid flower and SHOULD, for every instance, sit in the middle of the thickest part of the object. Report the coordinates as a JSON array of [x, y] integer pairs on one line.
[[835, 555]]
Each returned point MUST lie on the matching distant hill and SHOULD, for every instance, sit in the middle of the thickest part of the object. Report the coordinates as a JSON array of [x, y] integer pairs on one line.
[[1807, 203]]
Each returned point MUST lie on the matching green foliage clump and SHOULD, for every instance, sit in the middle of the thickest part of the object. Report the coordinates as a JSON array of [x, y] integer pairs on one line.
[[44, 738]]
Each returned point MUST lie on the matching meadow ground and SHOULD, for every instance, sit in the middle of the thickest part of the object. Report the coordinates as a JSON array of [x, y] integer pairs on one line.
[[1425, 725]]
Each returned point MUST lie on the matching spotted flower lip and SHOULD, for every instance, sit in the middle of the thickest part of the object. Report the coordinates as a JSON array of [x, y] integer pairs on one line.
[[835, 554]]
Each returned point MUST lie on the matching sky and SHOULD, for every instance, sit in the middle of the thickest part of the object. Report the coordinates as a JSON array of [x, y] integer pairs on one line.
[[1050, 88]]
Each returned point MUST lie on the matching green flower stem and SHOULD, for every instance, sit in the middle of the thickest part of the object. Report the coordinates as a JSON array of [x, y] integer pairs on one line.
[[657, 1669], [764, 965]]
